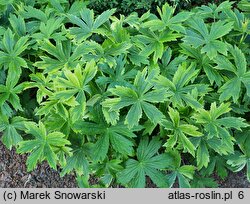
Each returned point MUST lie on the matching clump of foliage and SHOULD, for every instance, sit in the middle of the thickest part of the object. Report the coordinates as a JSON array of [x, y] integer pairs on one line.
[[163, 96]]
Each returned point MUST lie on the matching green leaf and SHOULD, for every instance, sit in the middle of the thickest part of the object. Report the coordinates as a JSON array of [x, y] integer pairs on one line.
[[31, 12], [18, 24], [134, 115], [248, 170], [147, 165], [156, 96], [10, 128], [152, 112], [201, 182], [182, 173], [179, 132], [179, 89], [87, 24], [187, 171], [183, 182], [153, 43], [202, 156], [201, 36], [216, 128], [232, 87], [174, 116], [168, 20], [10, 90], [41, 148], [78, 161], [63, 55], [233, 122], [190, 130], [116, 76], [117, 136], [136, 96], [10, 54], [187, 144]]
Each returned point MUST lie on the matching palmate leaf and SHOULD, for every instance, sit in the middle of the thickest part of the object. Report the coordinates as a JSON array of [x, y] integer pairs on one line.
[[87, 25], [206, 39], [232, 87], [10, 50], [151, 42], [57, 118], [240, 24], [179, 132], [10, 128], [146, 164], [30, 12], [50, 30], [107, 170], [238, 162], [203, 61], [242, 139], [169, 64], [39, 17], [140, 97], [217, 164], [244, 5], [214, 10], [216, 129], [18, 25], [43, 145], [118, 136], [105, 52], [180, 90], [211, 119], [4, 5], [177, 172], [168, 20], [74, 87], [44, 85], [118, 75], [203, 182], [59, 56], [6, 110], [78, 160], [9, 91]]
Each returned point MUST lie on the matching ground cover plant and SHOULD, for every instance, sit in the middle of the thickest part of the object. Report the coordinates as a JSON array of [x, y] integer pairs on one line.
[[127, 98]]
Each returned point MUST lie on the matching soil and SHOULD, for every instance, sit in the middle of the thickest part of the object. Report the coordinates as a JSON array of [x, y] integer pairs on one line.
[[13, 174]]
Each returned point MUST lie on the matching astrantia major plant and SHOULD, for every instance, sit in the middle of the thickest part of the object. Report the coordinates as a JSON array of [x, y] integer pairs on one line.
[[124, 99]]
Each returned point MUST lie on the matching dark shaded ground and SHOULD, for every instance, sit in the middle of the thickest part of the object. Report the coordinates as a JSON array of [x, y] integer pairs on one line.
[[13, 174], [235, 180]]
